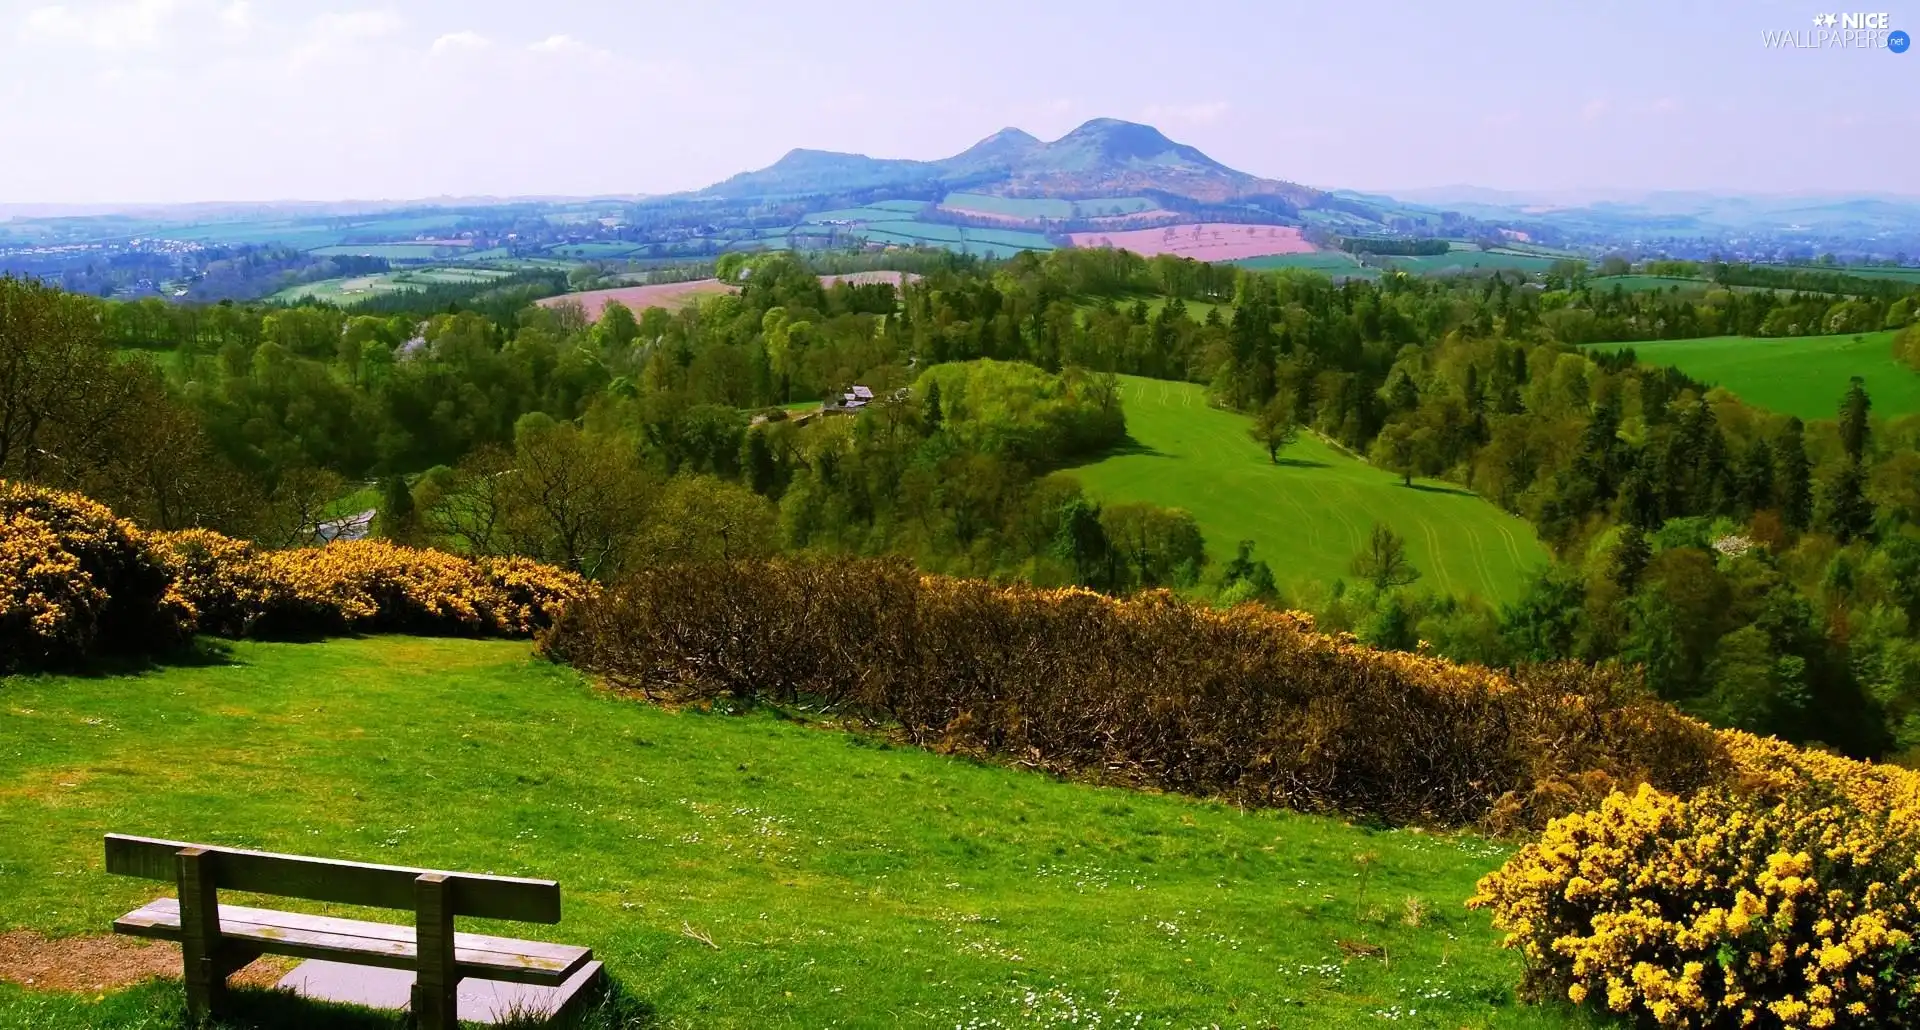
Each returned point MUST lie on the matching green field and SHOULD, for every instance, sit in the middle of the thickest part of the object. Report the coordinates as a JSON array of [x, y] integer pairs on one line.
[[1905, 274], [360, 287], [1310, 514], [1098, 207], [594, 250], [1459, 262], [841, 881], [1013, 207], [390, 251], [1644, 283], [1802, 375], [873, 213], [1331, 262]]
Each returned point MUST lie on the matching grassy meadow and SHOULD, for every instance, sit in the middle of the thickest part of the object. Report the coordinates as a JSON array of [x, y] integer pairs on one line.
[[840, 881], [1309, 514], [1801, 375]]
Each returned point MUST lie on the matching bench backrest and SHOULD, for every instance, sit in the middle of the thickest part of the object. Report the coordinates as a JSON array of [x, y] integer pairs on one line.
[[345, 883]]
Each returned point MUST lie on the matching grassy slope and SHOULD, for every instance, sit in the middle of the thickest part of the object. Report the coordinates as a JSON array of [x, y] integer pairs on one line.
[[1310, 514], [1802, 376], [844, 882]]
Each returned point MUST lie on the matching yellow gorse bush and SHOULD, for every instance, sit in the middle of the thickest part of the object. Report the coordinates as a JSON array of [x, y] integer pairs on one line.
[[1785, 895], [76, 581]]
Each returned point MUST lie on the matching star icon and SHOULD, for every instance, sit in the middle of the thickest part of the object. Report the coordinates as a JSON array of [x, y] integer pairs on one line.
[[1830, 21], [1819, 20]]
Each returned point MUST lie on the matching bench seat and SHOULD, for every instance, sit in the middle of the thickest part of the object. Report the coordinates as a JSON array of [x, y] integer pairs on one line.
[[365, 943]]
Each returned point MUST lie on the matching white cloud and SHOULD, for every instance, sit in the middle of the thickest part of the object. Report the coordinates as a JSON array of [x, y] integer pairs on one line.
[[1666, 105], [125, 26], [1191, 114], [561, 44], [1594, 110], [456, 42]]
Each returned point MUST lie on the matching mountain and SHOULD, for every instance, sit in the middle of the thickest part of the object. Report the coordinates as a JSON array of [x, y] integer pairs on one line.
[[1103, 157]]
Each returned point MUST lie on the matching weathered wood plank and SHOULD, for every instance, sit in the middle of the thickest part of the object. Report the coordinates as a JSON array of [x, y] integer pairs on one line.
[[364, 943], [199, 911], [166, 910], [436, 1005], [346, 883]]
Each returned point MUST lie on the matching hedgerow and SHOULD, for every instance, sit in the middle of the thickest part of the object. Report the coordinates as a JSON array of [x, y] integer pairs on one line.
[[1246, 703]]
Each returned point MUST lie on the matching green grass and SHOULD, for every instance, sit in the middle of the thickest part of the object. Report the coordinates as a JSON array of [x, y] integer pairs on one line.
[[843, 882], [1013, 207], [1330, 262], [1310, 514], [348, 289], [390, 251], [1644, 283], [1458, 262], [1801, 375]]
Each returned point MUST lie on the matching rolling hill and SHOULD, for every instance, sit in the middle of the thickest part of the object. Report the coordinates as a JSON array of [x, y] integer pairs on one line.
[[1103, 157], [1309, 514]]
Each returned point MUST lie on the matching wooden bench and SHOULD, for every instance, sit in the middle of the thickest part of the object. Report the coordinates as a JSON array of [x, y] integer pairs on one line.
[[219, 939]]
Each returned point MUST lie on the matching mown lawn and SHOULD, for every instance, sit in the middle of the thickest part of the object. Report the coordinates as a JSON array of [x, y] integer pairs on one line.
[[1795, 375], [841, 881], [1309, 514]]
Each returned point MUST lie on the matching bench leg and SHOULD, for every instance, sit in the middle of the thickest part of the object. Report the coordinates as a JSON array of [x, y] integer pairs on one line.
[[435, 981], [200, 934]]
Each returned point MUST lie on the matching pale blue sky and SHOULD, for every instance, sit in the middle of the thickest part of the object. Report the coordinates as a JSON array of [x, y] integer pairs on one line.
[[178, 100]]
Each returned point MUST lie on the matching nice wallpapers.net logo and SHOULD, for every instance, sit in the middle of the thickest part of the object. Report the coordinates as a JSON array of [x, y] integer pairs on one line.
[[1849, 30]]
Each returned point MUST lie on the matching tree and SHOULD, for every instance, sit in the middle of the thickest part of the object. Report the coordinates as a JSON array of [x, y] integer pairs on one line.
[[1383, 562], [933, 416], [703, 519], [1405, 449], [1081, 544], [573, 499], [397, 511], [1844, 509], [1273, 426], [1793, 476], [1854, 408]]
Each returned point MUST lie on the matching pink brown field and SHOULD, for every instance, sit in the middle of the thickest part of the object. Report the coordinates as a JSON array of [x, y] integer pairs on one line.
[[674, 296], [1207, 241]]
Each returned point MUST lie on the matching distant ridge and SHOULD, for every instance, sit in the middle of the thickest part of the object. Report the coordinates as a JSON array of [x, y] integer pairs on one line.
[[1102, 157]]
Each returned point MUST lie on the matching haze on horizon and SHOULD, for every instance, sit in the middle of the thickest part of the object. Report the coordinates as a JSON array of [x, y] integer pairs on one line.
[[163, 101]]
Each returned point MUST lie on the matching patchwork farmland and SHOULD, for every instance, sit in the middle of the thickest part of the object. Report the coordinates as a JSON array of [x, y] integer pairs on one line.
[[674, 296], [1205, 241]]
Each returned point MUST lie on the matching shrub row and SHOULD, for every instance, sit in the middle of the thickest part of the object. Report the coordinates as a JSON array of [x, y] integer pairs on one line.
[[1246, 704], [76, 582], [1787, 895]]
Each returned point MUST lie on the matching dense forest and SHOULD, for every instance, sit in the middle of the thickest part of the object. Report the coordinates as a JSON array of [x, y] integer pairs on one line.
[[1765, 573]]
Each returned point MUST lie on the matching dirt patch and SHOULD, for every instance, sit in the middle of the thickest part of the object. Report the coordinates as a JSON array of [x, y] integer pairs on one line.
[[108, 963], [895, 279], [1206, 241], [674, 296]]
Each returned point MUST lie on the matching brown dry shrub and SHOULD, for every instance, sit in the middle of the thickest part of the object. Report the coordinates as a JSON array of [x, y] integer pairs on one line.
[[1247, 704]]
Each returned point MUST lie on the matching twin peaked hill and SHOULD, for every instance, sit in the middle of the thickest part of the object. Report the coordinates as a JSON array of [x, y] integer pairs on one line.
[[1104, 157]]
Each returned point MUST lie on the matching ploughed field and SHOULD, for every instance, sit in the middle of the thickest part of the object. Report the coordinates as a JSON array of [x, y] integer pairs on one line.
[[839, 881], [1309, 514], [1207, 241]]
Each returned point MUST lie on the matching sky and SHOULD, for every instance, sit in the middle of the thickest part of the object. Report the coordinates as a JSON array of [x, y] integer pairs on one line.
[[248, 100]]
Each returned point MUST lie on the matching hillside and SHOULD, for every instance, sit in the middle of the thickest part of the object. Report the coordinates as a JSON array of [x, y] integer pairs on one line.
[[841, 882], [1103, 157], [1311, 513], [1802, 375]]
